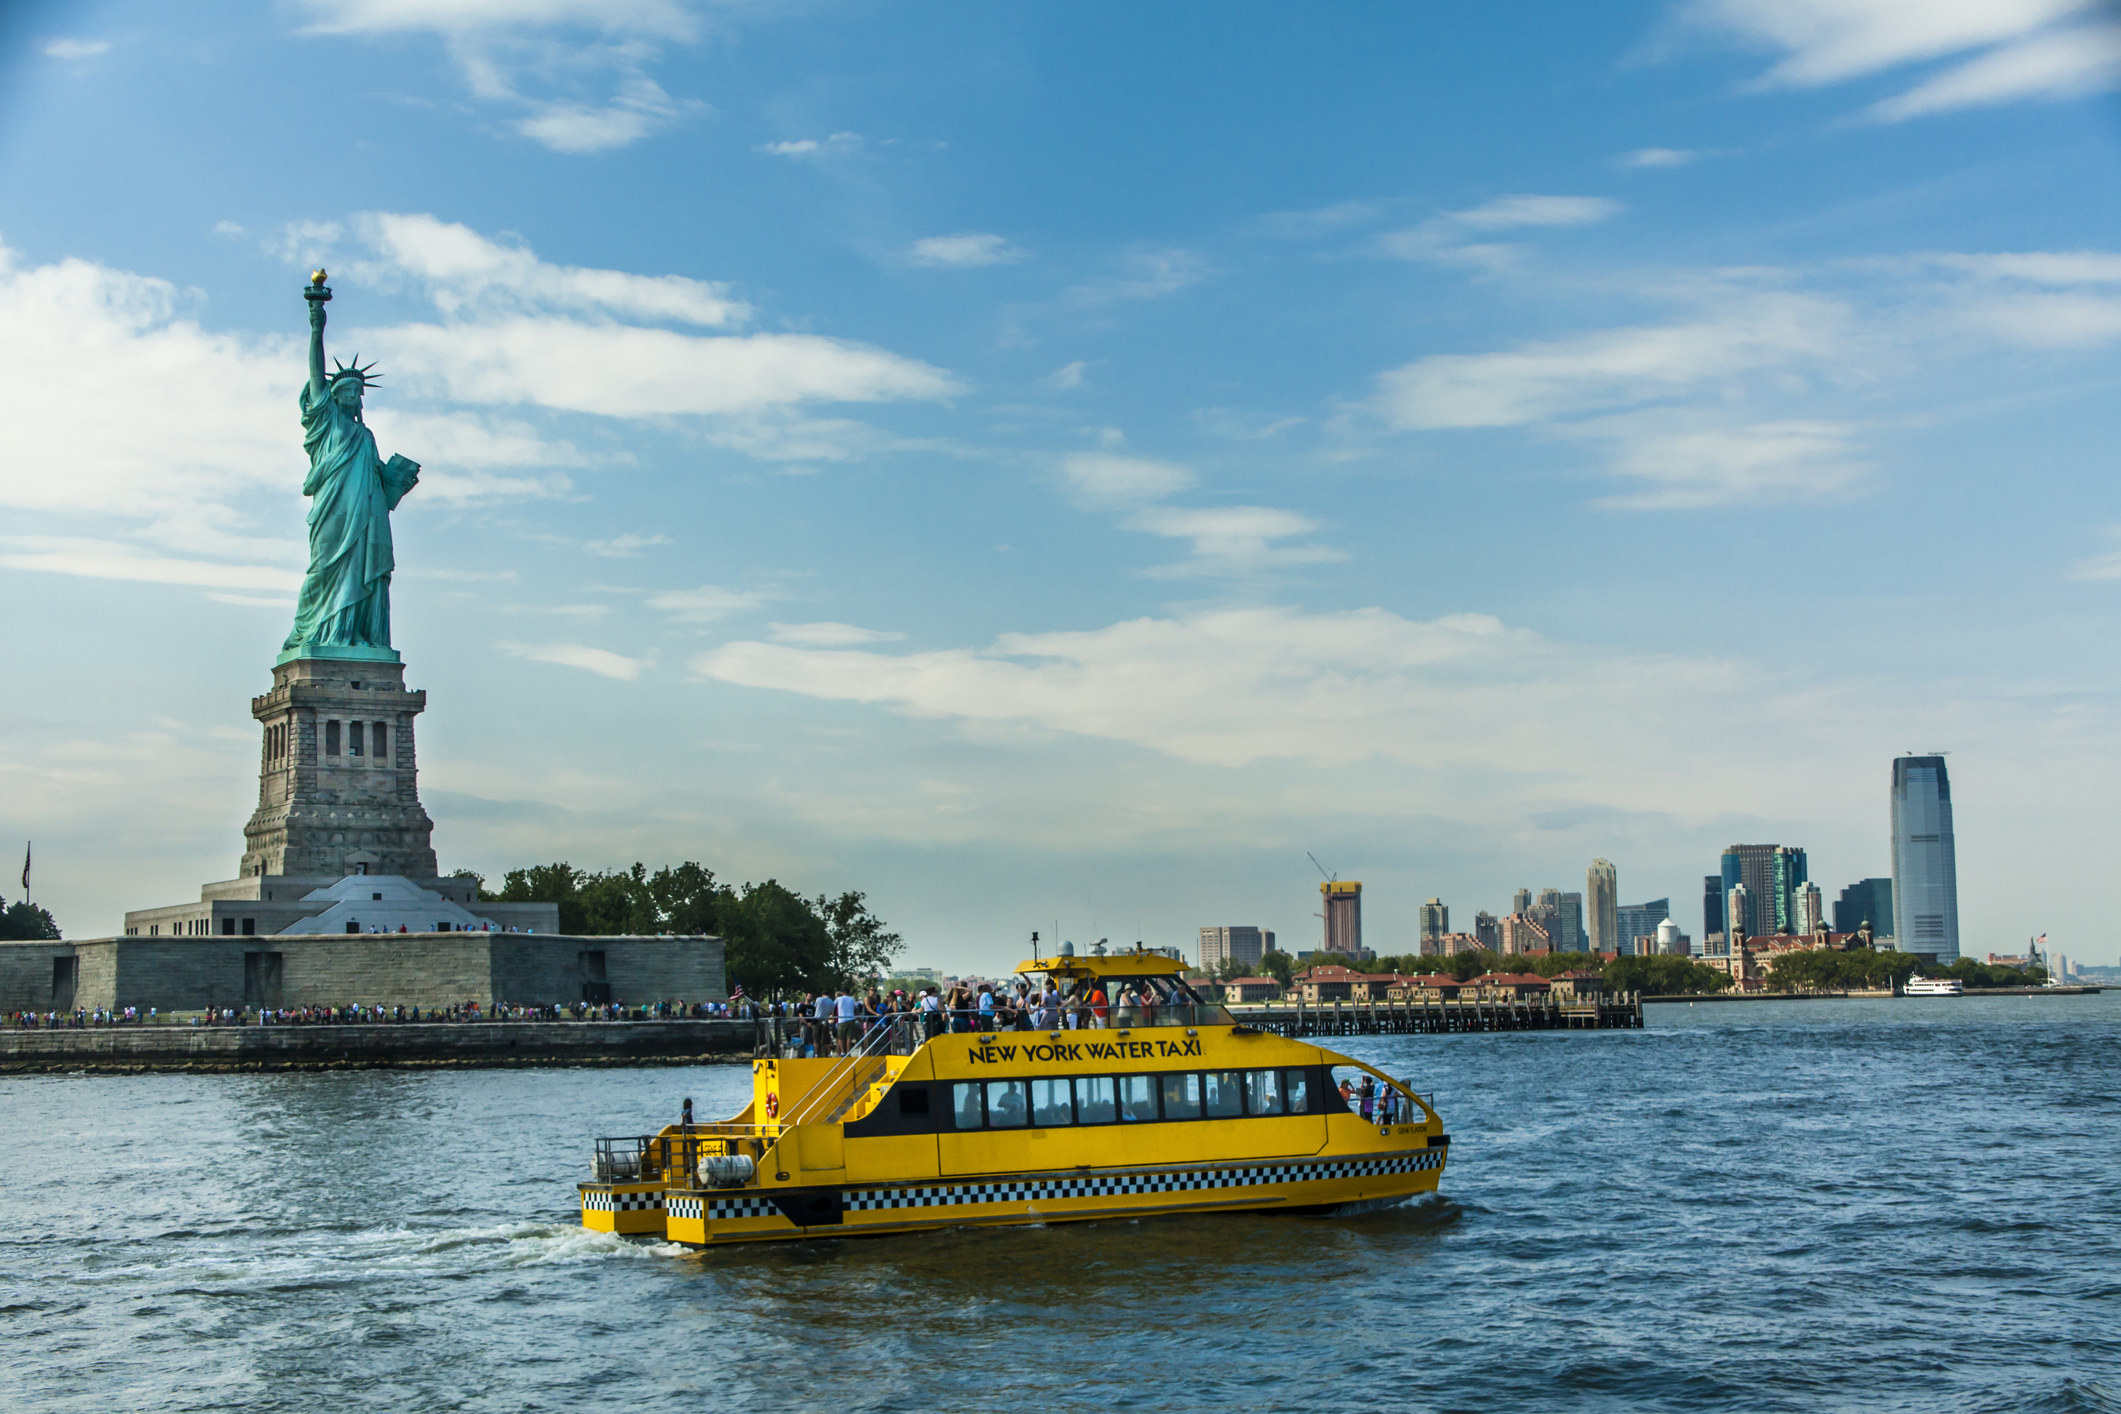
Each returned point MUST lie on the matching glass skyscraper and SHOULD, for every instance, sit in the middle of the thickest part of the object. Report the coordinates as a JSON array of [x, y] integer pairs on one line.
[[1925, 860], [1771, 874], [1865, 901]]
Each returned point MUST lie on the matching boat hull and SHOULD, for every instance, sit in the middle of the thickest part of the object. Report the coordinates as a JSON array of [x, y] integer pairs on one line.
[[712, 1218]]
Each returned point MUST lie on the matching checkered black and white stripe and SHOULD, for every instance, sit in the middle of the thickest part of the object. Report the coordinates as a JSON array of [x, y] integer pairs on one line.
[[683, 1208], [594, 1201], [720, 1209], [1110, 1185]]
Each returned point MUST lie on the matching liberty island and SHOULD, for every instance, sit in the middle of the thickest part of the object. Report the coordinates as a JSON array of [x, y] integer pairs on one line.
[[339, 850]]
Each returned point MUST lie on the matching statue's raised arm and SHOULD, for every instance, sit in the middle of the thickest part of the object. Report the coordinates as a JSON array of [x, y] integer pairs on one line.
[[317, 294]]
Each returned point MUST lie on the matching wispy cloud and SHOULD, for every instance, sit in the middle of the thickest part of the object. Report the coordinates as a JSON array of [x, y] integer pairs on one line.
[[1445, 237], [2020, 49], [601, 661], [1644, 158], [837, 145], [508, 48], [1232, 540], [707, 604], [2101, 567], [625, 547], [965, 250], [1144, 275], [108, 559], [1068, 375], [830, 635], [76, 49], [1100, 480]]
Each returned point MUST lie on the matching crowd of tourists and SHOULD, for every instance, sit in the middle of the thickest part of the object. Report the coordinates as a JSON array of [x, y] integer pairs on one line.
[[366, 1015], [840, 1021]]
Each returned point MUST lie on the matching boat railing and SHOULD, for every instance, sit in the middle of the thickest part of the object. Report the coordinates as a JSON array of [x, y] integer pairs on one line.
[[862, 1067]]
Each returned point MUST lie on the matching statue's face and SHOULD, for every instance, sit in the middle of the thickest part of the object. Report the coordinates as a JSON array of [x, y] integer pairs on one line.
[[348, 393]]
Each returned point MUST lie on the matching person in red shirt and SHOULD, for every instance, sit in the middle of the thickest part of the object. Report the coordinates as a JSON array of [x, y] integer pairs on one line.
[[1100, 1005]]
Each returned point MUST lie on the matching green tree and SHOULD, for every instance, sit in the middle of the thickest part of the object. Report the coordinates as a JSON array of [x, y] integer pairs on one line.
[[1278, 965], [23, 921], [1664, 976], [777, 942], [558, 883], [688, 898], [861, 946]]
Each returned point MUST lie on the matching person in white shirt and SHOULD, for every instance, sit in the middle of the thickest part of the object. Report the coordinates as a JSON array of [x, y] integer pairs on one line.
[[850, 1027]]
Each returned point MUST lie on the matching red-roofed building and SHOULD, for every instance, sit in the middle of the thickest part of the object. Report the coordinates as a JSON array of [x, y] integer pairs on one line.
[[1510, 986], [1251, 989], [1329, 983], [1431, 988], [1578, 984]]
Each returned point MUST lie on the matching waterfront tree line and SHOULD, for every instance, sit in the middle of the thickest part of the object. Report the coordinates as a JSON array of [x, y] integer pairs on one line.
[[1652, 976], [776, 940]]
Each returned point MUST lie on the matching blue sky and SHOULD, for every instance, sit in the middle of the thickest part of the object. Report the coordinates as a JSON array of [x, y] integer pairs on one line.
[[1056, 466]]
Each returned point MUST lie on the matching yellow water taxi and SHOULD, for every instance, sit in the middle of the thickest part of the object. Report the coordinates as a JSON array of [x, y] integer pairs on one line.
[[1135, 1098]]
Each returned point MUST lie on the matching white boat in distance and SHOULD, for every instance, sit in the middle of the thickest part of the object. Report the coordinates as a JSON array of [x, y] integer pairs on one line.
[[1933, 987]]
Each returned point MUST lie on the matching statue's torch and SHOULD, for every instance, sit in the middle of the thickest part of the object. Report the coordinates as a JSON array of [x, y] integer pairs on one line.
[[317, 291]]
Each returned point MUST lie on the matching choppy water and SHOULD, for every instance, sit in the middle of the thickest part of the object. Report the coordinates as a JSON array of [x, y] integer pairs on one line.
[[1858, 1205]]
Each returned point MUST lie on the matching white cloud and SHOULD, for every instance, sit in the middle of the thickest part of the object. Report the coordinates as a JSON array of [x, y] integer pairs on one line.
[[601, 661], [1512, 212], [1229, 687], [1443, 237], [667, 18], [1657, 157], [1612, 368], [829, 635], [567, 43], [2036, 299], [2034, 48], [1147, 275], [1681, 466], [463, 270], [1100, 480], [1068, 375], [625, 547], [640, 108], [966, 249], [707, 604], [76, 48], [1233, 539], [109, 559], [630, 372], [837, 145]]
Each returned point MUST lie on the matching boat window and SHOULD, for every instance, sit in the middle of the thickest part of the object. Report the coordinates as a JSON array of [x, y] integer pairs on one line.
[[964, 1100], [1137, 1098], [1181, 1096], [1007, 1104], [1297, 1091], [1226, 1094], [913, 1099], [1093, 1100], [1263, 1092], [1052, 1102]]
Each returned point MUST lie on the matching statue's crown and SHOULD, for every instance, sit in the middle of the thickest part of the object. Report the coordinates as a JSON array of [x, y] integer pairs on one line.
[[365, 373]]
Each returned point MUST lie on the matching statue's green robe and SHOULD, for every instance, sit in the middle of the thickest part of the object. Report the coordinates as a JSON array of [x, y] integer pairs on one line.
[[346, 594]]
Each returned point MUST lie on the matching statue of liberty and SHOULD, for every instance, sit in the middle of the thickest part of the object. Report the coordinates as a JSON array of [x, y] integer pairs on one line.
[[344, 610]]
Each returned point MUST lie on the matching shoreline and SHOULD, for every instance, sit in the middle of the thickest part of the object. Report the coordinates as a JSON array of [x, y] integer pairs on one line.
[[2084, 990], [135, 1049]]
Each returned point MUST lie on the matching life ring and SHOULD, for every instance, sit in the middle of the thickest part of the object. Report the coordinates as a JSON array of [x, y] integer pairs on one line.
[[773, 1104]]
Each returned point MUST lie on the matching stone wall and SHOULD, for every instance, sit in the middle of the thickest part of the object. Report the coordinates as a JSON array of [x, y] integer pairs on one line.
[[130, 1048], [426, 970]]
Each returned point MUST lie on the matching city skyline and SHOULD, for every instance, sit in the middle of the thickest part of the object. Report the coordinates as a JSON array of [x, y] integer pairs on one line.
[[880, 448]]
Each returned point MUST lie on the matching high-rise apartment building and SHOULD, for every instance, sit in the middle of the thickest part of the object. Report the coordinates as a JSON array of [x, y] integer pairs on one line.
[[1601, 892], [1560, 915], [1522, 933], [1771, 874], [1487, 930], [1342, 899], [1811, 909], [1865, 901], [1925, 858], [1521, 901], [1636, 921], [1737, 907], [1435, 922], [1235, 943], [1711, 906]]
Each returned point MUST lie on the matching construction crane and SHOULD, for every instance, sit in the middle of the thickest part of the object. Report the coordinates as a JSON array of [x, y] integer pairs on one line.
[[1329, 878]]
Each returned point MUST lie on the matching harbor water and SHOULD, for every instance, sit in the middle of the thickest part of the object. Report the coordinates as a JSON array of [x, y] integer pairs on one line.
[[1877, 1205]]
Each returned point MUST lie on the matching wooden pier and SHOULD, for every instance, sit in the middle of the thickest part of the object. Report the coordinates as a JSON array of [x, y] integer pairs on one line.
[[1440, 1018]]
